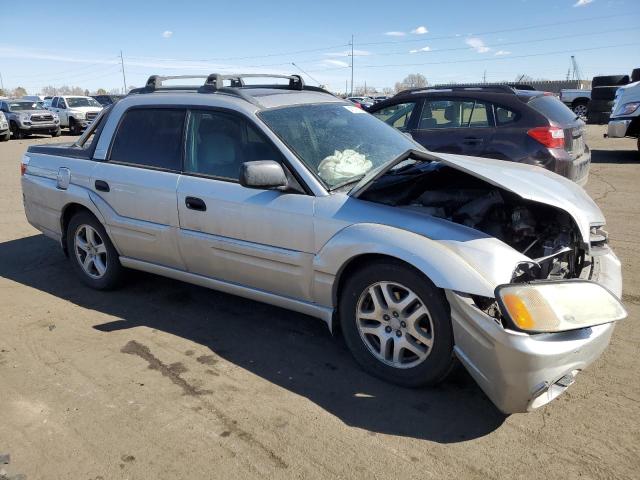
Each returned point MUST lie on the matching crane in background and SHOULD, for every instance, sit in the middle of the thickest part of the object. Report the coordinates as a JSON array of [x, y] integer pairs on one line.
[[574, 72]]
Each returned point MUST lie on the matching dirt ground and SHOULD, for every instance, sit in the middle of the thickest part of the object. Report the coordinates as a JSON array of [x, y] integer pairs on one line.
[[163, 380]]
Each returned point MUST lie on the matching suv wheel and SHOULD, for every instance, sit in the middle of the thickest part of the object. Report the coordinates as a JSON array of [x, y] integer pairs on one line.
[[397, 324], [92, 254], [56, 133], [5, 137]]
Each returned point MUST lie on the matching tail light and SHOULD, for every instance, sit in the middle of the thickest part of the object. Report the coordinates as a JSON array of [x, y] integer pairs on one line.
[[551, 137], [24, 164], [359, 105]]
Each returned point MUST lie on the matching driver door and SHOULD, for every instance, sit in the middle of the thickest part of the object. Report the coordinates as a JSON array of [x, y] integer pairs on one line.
[[257, 238]]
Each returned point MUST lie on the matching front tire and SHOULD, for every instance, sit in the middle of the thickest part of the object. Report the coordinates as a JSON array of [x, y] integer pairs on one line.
[[93, 256], [5, 137], [74, 128], [56, 133], [15, 131], [396, 323]]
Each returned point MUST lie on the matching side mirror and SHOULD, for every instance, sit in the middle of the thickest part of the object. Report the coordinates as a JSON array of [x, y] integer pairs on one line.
[[263, 174]]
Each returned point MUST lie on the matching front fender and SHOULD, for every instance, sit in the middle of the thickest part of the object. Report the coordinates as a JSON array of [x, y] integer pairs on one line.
[[475, 266]]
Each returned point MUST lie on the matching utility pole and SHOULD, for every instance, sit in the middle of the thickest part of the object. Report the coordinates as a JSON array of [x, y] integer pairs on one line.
[[1, 82], [351, 66], [124, 79], [484, 77]]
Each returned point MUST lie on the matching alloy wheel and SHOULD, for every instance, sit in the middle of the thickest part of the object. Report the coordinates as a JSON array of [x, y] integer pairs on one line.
[[90, 251], [394, 324], [580, 111]]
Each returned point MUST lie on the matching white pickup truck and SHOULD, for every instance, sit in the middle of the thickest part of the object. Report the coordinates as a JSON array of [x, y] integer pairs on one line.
[[75, 112], [577, 100]]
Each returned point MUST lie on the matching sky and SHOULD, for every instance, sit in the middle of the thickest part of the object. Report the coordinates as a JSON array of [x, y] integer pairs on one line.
[[79, 43]]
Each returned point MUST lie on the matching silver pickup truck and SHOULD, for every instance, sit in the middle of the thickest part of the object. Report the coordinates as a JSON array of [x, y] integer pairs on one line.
[[577, 100], [286, 194]]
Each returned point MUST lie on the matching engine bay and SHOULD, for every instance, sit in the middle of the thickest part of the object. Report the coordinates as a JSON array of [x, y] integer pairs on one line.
[[545, 234]]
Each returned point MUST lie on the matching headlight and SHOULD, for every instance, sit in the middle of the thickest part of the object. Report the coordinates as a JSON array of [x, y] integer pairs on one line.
[[558, 306], [24, 118], [629, 108], [79, 115]]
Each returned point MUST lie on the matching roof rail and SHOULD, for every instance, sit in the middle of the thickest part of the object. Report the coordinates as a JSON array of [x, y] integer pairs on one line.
[[458, 88], [214, 83]]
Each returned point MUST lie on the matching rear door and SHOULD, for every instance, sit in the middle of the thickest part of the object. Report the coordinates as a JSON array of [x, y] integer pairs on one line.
[[137, 183], [455, 125]]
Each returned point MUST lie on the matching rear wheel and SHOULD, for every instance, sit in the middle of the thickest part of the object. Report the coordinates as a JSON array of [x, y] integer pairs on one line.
[[92, 254], [5, 136], [397, 324], [56, 133], [580, 109]]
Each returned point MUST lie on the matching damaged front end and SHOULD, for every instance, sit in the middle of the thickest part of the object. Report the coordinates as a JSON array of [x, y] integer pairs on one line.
[[551, 317]]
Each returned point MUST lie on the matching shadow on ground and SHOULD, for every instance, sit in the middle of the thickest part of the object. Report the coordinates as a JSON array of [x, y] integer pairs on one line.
[[615, 156], [291, 350]]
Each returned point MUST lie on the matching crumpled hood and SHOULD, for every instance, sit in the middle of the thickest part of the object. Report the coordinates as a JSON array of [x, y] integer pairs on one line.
[[535, 184], [527, 181]]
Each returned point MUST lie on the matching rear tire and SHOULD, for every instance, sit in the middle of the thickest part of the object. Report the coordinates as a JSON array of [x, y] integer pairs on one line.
[[410, 345], [56, 133], [92, 255], [580, 108], [5, 137]]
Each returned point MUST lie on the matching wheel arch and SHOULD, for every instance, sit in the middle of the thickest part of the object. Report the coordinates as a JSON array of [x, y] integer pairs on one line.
[[68, 211], [580, 101], [357, 244]]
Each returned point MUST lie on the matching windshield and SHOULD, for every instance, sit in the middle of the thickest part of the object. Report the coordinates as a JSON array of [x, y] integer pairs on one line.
[[339, 143], [20, 106], [82, 102]]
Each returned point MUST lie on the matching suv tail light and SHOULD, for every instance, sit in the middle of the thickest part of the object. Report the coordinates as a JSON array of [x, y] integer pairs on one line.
[[551, 137]]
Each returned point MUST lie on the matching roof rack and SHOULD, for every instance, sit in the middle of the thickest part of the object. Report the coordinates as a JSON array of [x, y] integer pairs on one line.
[[214, 83], [496, 88]]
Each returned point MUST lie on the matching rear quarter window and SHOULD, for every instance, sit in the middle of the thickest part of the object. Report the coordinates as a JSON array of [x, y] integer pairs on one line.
[[150, 137], [553, 109]]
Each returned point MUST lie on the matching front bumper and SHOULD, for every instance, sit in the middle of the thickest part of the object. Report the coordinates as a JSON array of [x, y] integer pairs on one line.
[[39, 127], [520, 372], [618, 128]]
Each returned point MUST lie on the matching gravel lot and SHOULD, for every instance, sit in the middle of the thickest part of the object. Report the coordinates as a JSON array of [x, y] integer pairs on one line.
[[165, 380]]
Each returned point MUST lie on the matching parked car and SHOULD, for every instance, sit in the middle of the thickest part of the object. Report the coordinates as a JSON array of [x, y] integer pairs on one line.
[[292, 196], [26, 117], [75, 112], [577, 100], [361, 102], [625, 119], [5, 133], [524, 126], [106, 100], [603, 92]]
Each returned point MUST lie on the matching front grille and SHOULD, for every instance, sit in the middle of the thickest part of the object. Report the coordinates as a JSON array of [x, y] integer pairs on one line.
[[41, 118], [92, 115]]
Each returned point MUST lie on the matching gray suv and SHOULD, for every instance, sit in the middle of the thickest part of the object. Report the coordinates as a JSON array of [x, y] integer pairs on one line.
[[26, 117], [286, 194]]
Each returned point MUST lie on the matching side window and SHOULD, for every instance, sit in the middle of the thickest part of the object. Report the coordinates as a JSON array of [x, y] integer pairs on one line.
[[504, 116], [61, 103], [218, 144], [453, 114], [150, 137], [396, 115], [54, 102]]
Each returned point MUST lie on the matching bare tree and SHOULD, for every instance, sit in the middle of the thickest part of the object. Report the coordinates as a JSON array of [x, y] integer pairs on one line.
[[388, 91], [101, 91], [413, 80], [3, 93], [49, 91], [114, 91], [19, 92]]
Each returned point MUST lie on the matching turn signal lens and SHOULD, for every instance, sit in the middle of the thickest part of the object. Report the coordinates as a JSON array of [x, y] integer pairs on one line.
[[24, 164], [558, 306]]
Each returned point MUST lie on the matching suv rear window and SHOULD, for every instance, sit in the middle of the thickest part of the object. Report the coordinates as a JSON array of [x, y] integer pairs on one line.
[[151, 137], [553, 109]]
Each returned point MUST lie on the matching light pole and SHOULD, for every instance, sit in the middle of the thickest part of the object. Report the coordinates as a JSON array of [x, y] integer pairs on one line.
[[124, 79], [351, 95]]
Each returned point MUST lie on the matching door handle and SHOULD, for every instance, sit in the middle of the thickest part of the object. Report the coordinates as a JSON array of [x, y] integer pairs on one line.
[[194, 203], [471, 140], [102, 186]]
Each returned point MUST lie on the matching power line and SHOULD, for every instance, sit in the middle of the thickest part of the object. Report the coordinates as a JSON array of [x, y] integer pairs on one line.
[[491, 32], [484, 59]]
